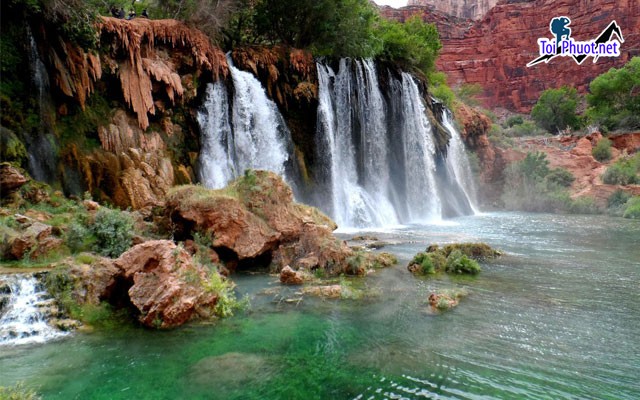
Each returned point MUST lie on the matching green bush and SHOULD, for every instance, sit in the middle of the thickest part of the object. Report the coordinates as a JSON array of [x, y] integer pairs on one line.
[[560, 177], [413, 43], [556, 109], [602, 150], [632, 208], [583, 205], [461, 264], [618, 199], [113, 232], [526, 128], [439, 89], [514, 120], [78, 237], [624, 172]]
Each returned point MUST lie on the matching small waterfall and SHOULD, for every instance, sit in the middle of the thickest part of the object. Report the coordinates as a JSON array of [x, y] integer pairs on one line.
[[21, 318], [247, 132], [458, 163], [41, 144]]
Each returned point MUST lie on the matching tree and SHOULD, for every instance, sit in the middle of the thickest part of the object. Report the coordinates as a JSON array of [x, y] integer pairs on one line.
[[414, 43], [556, 109], [614, 101]]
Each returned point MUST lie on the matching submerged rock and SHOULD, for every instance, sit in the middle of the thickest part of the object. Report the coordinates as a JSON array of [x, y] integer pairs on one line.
[[446, 299], [291, 277]]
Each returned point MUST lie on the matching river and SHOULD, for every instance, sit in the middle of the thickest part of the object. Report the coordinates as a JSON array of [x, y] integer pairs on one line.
[[557, 317]]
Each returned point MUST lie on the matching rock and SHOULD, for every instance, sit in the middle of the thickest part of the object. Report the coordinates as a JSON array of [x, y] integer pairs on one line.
[[255, 218], [327, 291], [291, 277], [168, 287], [46, 246], [90, 205], [376, 245], [65, 324], [38, 231], [11, 179], [443, 300], [360, 238], [19, 247]]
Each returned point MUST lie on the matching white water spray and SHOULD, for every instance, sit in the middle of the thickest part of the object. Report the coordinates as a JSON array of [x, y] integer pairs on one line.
[[23, 320]]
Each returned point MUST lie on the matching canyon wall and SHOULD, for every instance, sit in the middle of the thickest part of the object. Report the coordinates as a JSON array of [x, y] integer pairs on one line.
[[495, 50], [472, 9]]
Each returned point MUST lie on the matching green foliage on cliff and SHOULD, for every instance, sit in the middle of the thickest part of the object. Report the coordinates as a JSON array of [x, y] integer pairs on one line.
[[602, 150], [413, 43], [625, 171], [632, 208], [614, 101], [556, 109], [530, 185]]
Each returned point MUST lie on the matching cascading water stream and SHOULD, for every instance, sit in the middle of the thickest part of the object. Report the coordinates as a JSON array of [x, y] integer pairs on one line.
[[247, 132], [23, 320], [458, 162], [41, 143]]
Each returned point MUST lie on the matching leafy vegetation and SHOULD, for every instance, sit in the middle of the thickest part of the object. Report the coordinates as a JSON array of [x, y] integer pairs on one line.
[[456, 258], [632, 208], [113, 230], [556, 109], [602, 150], [413, 43], [625, 171], [614, 99], [530, 185]]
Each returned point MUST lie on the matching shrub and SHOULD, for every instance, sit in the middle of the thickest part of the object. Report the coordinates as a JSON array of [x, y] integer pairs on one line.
[[78, 237], [560, 177], [623, 172], [227, 302], [461, 264], [556, 109], [526, 128], [583, 205], [602, 150], [514, 120], [113, 232], [632, 209], [618, 199]]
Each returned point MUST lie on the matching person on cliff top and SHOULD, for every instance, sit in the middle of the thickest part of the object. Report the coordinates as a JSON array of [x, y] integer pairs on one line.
[[121, 13], [114, 11], [132, 14], [144, 14]]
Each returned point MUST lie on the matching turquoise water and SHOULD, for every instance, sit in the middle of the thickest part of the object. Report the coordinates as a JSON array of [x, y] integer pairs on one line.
[[558, 317]]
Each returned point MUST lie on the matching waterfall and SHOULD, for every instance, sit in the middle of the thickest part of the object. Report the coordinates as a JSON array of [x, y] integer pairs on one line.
[[21, 318], [376, 161], [246, 132], [357, 199], [381, 157], [41, 144], [458, 163]]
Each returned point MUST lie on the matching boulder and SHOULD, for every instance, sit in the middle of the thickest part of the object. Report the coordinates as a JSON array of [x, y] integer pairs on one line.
[[168, 287], [11, 179], [290, 277], [255, 220]]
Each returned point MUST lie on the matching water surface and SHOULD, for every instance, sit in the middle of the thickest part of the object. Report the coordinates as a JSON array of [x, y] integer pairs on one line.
[[558, 317]]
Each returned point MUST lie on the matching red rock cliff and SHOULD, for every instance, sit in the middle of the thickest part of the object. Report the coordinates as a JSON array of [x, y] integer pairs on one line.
[[494, 51]]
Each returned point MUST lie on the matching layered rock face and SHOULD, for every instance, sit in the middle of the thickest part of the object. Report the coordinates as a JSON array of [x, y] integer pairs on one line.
[[493, 52], [472, 9]]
